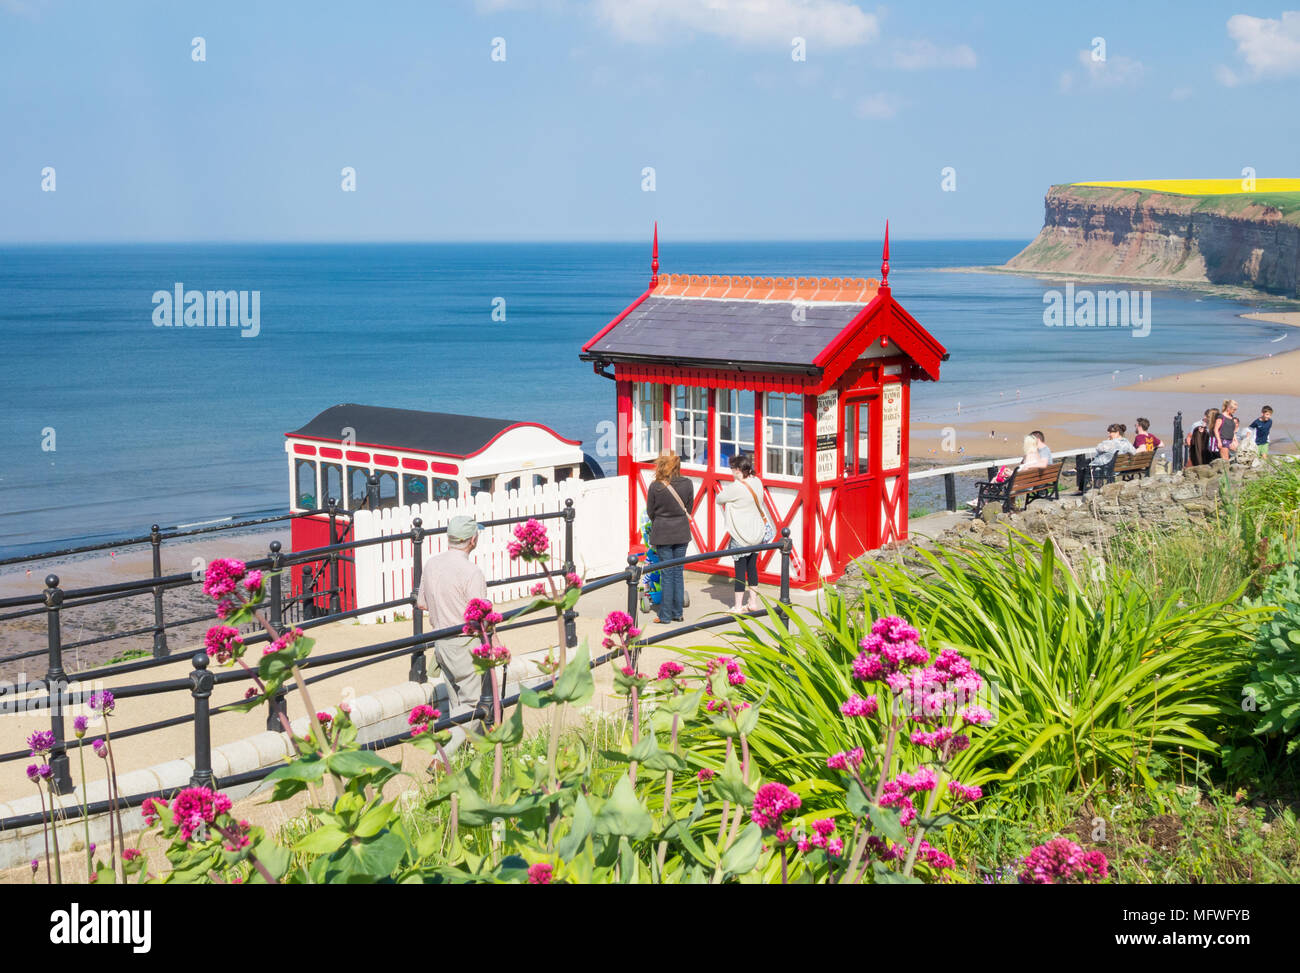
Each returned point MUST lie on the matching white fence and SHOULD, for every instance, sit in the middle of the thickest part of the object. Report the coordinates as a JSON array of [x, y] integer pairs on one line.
[[384, 571]]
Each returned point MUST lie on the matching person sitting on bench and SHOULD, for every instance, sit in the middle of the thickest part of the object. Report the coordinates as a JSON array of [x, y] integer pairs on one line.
[[1032, 460]]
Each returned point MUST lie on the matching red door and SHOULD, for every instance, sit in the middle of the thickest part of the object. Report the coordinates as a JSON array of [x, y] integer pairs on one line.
[[858, 501]]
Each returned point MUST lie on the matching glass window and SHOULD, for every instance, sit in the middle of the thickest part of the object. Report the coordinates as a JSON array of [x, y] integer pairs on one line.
[[331, 484], [357, 487], [539, 481], [512, 484], [857, 438], [484, 485], [735, 423], [647, 420], [562, 473], [445, 489], [305, 484], [387, 489], [691, 424], [783, 434], [415, 489]]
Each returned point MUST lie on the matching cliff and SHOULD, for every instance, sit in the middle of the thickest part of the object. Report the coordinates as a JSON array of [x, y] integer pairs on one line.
[[1243, 239]]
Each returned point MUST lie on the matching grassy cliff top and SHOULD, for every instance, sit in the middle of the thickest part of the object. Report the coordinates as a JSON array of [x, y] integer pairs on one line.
[[1223, 196]]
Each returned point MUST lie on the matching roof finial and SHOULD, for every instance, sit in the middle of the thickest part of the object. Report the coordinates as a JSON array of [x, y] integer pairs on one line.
[[884, 259], [654, 260]]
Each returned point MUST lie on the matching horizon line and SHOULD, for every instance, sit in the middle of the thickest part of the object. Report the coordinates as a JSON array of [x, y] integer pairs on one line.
[[515, 241]]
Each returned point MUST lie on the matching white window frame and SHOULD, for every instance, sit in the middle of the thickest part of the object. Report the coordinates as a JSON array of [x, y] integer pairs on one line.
[[647, 431], [772, 425], [698, 418], [720, 410]]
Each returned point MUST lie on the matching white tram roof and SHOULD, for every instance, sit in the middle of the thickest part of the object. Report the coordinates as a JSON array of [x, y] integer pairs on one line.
[[488, 445]]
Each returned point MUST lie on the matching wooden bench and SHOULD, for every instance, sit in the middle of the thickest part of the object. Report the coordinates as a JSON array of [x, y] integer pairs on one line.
[[1036, 484], [1129, 466]]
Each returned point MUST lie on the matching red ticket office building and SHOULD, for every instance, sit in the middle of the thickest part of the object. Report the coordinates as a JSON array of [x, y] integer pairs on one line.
[[809, 375]]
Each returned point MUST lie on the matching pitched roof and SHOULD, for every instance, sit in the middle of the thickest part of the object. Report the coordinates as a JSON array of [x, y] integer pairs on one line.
[[784, 324], [445, 433]]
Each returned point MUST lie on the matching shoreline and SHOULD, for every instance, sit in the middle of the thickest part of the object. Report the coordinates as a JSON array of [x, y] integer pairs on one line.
[[1230, 292]]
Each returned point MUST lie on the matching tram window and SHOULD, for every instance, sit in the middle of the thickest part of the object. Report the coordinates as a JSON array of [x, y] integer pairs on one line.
[[387, 489], [415, 489], [512, 484], [484, 485], [539, 481], [857, 438], [562, 473], [444, 489], [305, 484], [331, 481], [357, 487]]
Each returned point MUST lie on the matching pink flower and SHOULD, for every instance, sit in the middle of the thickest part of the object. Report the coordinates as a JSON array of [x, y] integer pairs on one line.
[[150, 809], [964, 793], [131, 854], [734, 676], [1061, 861], [835, 847], [490, 655], [932, 739], [252, 580], [530, 542], [250, 692], [824, 826], [223, 643], [924, 779], [221, 577], [705, 774], [772, 801], [976, 715], [671, 670], [422, 715], [857, 706], [195, 807], [538, 589], [325, 719], [571, 580], [283, 642], [846, 759], [540, 874]]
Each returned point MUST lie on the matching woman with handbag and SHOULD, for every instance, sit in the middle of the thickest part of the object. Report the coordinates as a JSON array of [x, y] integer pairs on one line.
[[668, 504], [748, 524]]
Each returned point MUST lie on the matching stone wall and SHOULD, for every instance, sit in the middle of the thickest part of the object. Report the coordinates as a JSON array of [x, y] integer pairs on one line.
[[1084, 525]]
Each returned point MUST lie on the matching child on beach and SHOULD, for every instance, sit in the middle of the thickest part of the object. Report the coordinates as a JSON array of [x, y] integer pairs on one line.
[[1262, 425], [1144, 439]]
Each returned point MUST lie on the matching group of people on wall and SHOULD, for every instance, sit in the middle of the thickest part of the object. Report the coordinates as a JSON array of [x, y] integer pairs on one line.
[[1219, 434]]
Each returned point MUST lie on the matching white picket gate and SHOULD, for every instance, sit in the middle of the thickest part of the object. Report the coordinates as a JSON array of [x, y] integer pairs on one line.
[[384, 571]]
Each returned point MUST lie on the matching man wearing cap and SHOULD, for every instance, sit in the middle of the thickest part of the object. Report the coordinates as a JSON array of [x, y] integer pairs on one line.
[[448, 583]]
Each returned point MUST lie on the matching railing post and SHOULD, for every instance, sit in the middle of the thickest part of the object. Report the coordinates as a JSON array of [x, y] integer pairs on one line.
[[950, 491], [56, 681], [277, 590], [1081, 471], [336, 605], [201, 682], [633, 596], [159, 626], [993, 471], [372, 492], [787, 546], [1180, 457], [419, 671], [570, 614]]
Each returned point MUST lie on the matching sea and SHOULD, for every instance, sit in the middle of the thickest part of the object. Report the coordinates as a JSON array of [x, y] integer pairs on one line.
[[112, 422]]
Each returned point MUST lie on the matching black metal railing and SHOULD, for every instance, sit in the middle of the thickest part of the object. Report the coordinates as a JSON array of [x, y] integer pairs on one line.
[[60, 691]]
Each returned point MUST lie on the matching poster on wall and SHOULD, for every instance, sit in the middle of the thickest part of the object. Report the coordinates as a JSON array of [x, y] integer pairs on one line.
[[891, 427], [827, 415]]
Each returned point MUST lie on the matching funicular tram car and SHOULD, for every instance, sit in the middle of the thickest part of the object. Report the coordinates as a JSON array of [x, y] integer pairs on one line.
[[365, 457]]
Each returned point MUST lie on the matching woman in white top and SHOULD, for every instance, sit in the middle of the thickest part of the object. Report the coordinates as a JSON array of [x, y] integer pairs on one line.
[[745, 521]]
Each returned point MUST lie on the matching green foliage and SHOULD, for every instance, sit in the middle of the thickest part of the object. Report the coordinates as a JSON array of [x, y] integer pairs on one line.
[[1274, 686]]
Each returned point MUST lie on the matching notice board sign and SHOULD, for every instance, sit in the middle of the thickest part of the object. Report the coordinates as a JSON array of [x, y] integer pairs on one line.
[[891, 426], [827, 417]]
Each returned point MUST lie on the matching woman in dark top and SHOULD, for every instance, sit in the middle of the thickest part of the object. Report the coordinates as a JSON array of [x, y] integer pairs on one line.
[[1226, 430], [667, 504]]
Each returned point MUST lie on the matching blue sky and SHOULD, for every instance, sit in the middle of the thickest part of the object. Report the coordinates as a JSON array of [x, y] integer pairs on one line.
[[550, 143]]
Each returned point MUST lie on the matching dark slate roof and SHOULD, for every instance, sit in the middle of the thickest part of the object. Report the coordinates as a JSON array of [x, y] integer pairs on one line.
[[704, 330], [427, 432]]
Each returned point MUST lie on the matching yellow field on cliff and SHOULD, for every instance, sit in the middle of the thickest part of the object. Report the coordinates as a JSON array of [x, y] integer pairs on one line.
[[1200, 187]]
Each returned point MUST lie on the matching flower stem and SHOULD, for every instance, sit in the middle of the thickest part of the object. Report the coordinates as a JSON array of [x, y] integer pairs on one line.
[[54, 834], [497, 753], [49, 873], [85, 816], [921, 828], [116, 812]]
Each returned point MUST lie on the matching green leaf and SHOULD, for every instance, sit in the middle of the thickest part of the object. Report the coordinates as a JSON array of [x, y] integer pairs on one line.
[[884, 876], [938, 821], [375, 820], [535, 699], [275, 858], [886, 821], [576, 685], [509, 732], [302, 769], [322, 841], [623, 813], [729, 785], [747, 720], [352, 763], [858, 803], [580, 828], [742, 856], [367, 861]]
